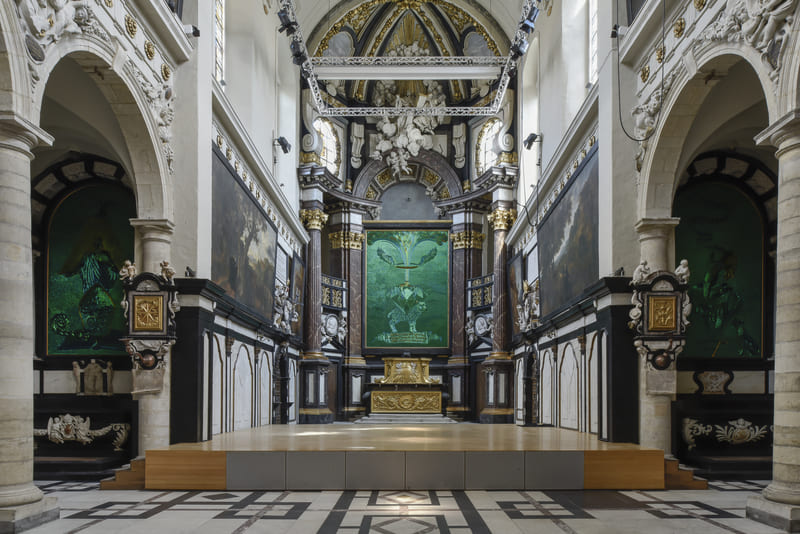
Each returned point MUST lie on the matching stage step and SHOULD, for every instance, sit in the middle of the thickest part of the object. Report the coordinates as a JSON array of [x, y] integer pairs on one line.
[[677, 476], [404, 419], [130, 477]]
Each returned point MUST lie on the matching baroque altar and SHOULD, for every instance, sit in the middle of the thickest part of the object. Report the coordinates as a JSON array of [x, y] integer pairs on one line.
[[406, 388]]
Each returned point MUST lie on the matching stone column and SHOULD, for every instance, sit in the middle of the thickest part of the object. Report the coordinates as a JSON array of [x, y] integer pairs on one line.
[[656, 243], [313, 360], [155, 240], [21, 502], [779, 504], [499, 361]]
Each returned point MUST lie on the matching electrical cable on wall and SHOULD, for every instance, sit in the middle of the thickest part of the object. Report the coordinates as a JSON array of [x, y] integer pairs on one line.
[[615, 35]]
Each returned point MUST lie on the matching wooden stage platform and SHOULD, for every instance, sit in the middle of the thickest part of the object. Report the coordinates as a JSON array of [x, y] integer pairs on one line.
[[426, 456]]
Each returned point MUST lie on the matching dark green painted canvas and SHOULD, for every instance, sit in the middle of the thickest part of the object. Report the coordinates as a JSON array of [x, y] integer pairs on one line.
[[407, 289], [721, 234], [89, 238]]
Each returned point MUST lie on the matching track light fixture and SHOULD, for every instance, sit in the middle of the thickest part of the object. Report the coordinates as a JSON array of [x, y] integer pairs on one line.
[[287, 24], [529, 23], [298, 53], [519, 48]]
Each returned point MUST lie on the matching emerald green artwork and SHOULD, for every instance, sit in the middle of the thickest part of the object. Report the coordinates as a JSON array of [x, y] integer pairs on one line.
[[407, 289], [89, 237], [722, 235]]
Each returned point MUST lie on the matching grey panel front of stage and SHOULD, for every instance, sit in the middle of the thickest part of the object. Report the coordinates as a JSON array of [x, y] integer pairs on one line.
[[550, 470], [495, 470], [435, 470], [375, 470], [315, 470], [256, 470]]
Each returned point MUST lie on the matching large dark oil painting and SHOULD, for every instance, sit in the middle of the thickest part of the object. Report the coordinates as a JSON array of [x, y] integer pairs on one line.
[[568, 253], [407, 288], [721, 233], [89, 237], [244, 242], [515, 291]]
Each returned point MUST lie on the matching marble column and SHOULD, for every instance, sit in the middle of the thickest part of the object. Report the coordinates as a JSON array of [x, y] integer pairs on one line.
[[313, 360], [155, 241], [501, 219], [779, 504], [656, 244], [21, 502], [499, 367], [347, 244]]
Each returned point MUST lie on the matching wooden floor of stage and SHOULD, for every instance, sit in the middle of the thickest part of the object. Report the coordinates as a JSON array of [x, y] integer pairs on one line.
[[429, 456]]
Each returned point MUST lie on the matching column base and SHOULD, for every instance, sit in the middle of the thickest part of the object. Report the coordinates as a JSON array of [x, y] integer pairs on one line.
[[496, 416], [27, 516], [314, 416], [775, 514]]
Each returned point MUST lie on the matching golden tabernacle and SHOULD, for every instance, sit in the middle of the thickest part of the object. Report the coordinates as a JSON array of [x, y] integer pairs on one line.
[[406, 388]]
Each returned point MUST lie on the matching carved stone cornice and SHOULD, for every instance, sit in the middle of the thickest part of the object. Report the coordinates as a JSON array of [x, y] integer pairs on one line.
[[348, 240], [313, 219], [502, 218], [503, 176], [467, 239]]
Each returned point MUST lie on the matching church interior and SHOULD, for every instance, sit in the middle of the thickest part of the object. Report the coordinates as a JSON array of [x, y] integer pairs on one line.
[[479, 256]]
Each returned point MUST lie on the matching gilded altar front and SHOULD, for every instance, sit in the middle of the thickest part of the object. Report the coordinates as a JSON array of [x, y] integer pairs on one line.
[[406, 371], [406, 388]]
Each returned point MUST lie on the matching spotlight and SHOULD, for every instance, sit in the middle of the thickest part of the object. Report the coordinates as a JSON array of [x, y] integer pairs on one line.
[[518, 49], [284, 144], [298, 54], [287, 24], [529, 23], [532, 138]]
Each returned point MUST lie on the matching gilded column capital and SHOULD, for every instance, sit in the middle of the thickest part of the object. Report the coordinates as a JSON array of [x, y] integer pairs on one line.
[[467, 239], [349, 240], [502, 218], [313, 219]]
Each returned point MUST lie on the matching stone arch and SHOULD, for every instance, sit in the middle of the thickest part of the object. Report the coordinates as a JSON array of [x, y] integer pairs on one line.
[[448, 184], [136, 103], [661, 170]]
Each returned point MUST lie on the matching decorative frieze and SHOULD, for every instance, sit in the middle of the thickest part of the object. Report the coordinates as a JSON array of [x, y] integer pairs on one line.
[[67, 427], [467, 239], [347, 240], [313, 219], [502, 218]]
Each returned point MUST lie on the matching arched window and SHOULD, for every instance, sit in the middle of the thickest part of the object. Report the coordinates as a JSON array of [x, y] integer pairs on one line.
[[486, 156], [329, 155]]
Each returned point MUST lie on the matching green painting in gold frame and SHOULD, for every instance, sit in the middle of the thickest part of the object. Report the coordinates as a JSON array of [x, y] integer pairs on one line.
[[407, 289]]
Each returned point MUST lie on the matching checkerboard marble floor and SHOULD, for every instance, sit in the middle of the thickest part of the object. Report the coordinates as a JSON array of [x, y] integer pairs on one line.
[[86, 509]]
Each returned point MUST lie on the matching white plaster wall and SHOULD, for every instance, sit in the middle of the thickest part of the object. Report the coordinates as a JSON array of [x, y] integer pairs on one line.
[[263, 86]]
